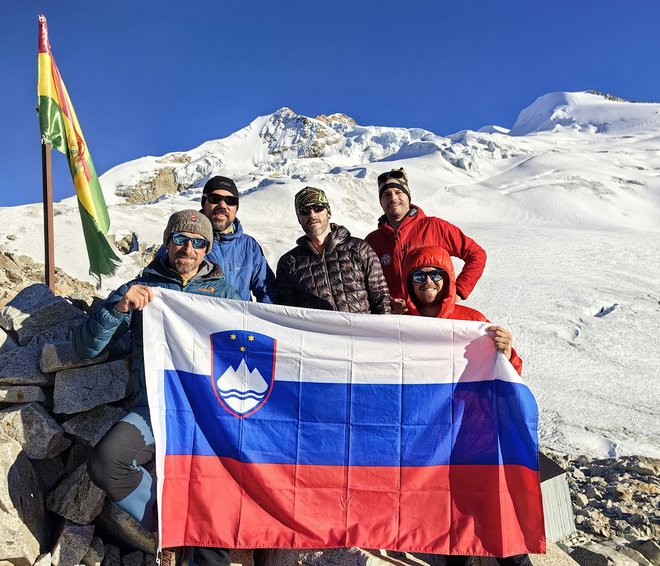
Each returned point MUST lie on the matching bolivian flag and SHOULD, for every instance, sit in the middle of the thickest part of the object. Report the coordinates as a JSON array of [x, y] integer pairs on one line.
[[60, 128]]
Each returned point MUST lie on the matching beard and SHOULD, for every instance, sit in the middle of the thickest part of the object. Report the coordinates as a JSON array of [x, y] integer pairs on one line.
[[184, 264], [315, 228], [220, 220]]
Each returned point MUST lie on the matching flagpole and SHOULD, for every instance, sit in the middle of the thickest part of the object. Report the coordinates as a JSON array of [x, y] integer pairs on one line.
[[49, 254]]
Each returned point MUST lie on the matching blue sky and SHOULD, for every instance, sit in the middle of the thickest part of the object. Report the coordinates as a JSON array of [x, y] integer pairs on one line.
[[147, 77]]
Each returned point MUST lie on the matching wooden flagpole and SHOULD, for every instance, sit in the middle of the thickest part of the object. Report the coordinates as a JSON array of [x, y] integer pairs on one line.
[[49, 252]]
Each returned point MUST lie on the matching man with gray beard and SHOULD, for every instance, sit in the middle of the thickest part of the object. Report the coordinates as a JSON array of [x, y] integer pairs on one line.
[[329, 269]]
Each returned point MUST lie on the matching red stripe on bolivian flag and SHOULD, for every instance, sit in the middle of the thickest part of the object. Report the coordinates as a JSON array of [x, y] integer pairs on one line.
[[60, 128]]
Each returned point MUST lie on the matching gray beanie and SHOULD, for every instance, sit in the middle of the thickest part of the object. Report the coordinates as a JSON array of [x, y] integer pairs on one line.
[[190, 221]]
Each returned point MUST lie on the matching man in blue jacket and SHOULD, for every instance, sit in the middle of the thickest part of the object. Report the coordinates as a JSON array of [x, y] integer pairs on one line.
[[117, 462], [239, 255]]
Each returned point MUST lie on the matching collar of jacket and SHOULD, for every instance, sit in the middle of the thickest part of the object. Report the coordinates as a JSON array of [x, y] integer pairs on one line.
[[337, 235], [413, 213], [237, 231]]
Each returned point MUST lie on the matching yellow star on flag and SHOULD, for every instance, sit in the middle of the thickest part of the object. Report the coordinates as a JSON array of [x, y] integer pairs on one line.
[[242, 348], [233, 336], [251, 338]]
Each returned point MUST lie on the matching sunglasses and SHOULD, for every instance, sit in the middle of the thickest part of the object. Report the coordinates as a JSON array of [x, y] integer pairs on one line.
[[215, 198], [391, 175], [419, 276], [306, 210], [198, 243]]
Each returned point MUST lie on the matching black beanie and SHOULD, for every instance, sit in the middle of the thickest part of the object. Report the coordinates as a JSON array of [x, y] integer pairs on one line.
[[219, 183]]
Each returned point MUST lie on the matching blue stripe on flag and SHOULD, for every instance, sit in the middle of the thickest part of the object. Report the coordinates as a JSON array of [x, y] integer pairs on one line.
[[490, 422]]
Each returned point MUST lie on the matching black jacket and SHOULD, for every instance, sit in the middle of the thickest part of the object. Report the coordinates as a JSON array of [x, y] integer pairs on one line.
[[347, 277]]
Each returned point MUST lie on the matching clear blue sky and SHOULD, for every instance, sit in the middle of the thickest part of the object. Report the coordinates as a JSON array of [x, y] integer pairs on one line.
[[147, 77]]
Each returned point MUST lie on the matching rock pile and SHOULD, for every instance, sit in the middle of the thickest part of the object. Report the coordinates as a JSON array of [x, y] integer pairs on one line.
[[54, 409], [616, 502], [52, 412]]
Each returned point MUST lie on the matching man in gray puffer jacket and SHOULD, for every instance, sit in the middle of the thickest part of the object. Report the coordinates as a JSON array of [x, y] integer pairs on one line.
[[329, 269]]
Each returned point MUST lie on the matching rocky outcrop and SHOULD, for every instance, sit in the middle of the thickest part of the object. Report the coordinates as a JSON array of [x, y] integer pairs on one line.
[[163, 182], [55, 408], [18, 272]]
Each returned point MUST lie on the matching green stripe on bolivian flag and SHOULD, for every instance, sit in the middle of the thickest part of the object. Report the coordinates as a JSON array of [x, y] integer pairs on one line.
[[60, 128]]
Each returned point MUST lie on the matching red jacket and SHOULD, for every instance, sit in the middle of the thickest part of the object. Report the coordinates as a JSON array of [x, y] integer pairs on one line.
[[435, 256], [391, 245]]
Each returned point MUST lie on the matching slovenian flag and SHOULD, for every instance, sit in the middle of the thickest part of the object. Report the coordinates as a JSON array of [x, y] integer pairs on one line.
[[280, 427], [60, 128]]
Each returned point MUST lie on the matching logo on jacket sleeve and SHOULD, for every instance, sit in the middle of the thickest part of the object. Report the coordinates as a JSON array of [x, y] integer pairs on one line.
[[242, 370]]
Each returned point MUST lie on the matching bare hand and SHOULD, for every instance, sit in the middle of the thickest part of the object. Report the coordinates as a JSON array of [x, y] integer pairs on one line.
[[503, 340], [136, 298], [398, 306]]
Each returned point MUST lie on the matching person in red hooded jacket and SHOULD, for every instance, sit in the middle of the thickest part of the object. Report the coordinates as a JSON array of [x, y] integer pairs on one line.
[[431, 291]]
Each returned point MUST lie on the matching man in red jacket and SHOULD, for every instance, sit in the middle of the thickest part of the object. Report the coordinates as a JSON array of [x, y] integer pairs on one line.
[[405, 225]]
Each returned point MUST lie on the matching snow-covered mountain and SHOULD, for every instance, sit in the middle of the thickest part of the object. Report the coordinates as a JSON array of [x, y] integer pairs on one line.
[[566, 203]]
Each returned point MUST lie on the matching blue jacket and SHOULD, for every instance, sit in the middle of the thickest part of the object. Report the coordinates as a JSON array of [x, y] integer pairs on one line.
[[243, 262], [107, 325]]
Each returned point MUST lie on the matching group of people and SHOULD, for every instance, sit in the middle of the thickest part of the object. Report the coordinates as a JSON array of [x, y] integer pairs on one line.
[[402, 267]]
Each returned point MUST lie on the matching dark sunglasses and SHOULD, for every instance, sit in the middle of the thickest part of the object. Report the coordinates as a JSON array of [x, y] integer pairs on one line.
[[198, 243], [305, 210], [419, 276], [215, 198], [391, 175]]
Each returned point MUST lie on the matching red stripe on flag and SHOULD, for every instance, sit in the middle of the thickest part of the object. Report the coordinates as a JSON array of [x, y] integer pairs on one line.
[[44, 45], [439, 509]]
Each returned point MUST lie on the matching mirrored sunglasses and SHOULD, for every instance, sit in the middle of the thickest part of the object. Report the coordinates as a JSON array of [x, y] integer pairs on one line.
[[419, 276], [198, 243], [215, 198], [306, 210]]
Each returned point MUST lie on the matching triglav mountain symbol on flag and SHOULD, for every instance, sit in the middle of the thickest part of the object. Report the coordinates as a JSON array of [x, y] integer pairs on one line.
[[242, 369]]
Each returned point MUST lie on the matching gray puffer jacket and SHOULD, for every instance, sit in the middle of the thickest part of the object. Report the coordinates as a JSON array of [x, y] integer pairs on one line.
[[346, 277]]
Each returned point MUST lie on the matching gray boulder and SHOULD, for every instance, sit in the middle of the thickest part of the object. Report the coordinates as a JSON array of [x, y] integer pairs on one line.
[[95, 553], [21, 394], [61, 332], [77, 498], [629, 552], [594, 554], [92, 425], [112, 556], [126, 528], [22, 510], [61, 355], [81, 389], [50, 470], [649, 549], [72, 544], [21, 367], [34, 310], [33, 428], [24, 303]]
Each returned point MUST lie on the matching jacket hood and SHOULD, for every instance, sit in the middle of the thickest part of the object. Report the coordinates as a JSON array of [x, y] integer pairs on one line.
[[430, 256]]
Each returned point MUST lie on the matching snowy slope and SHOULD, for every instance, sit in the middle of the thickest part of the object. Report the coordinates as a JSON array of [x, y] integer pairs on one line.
[[567, 205]]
